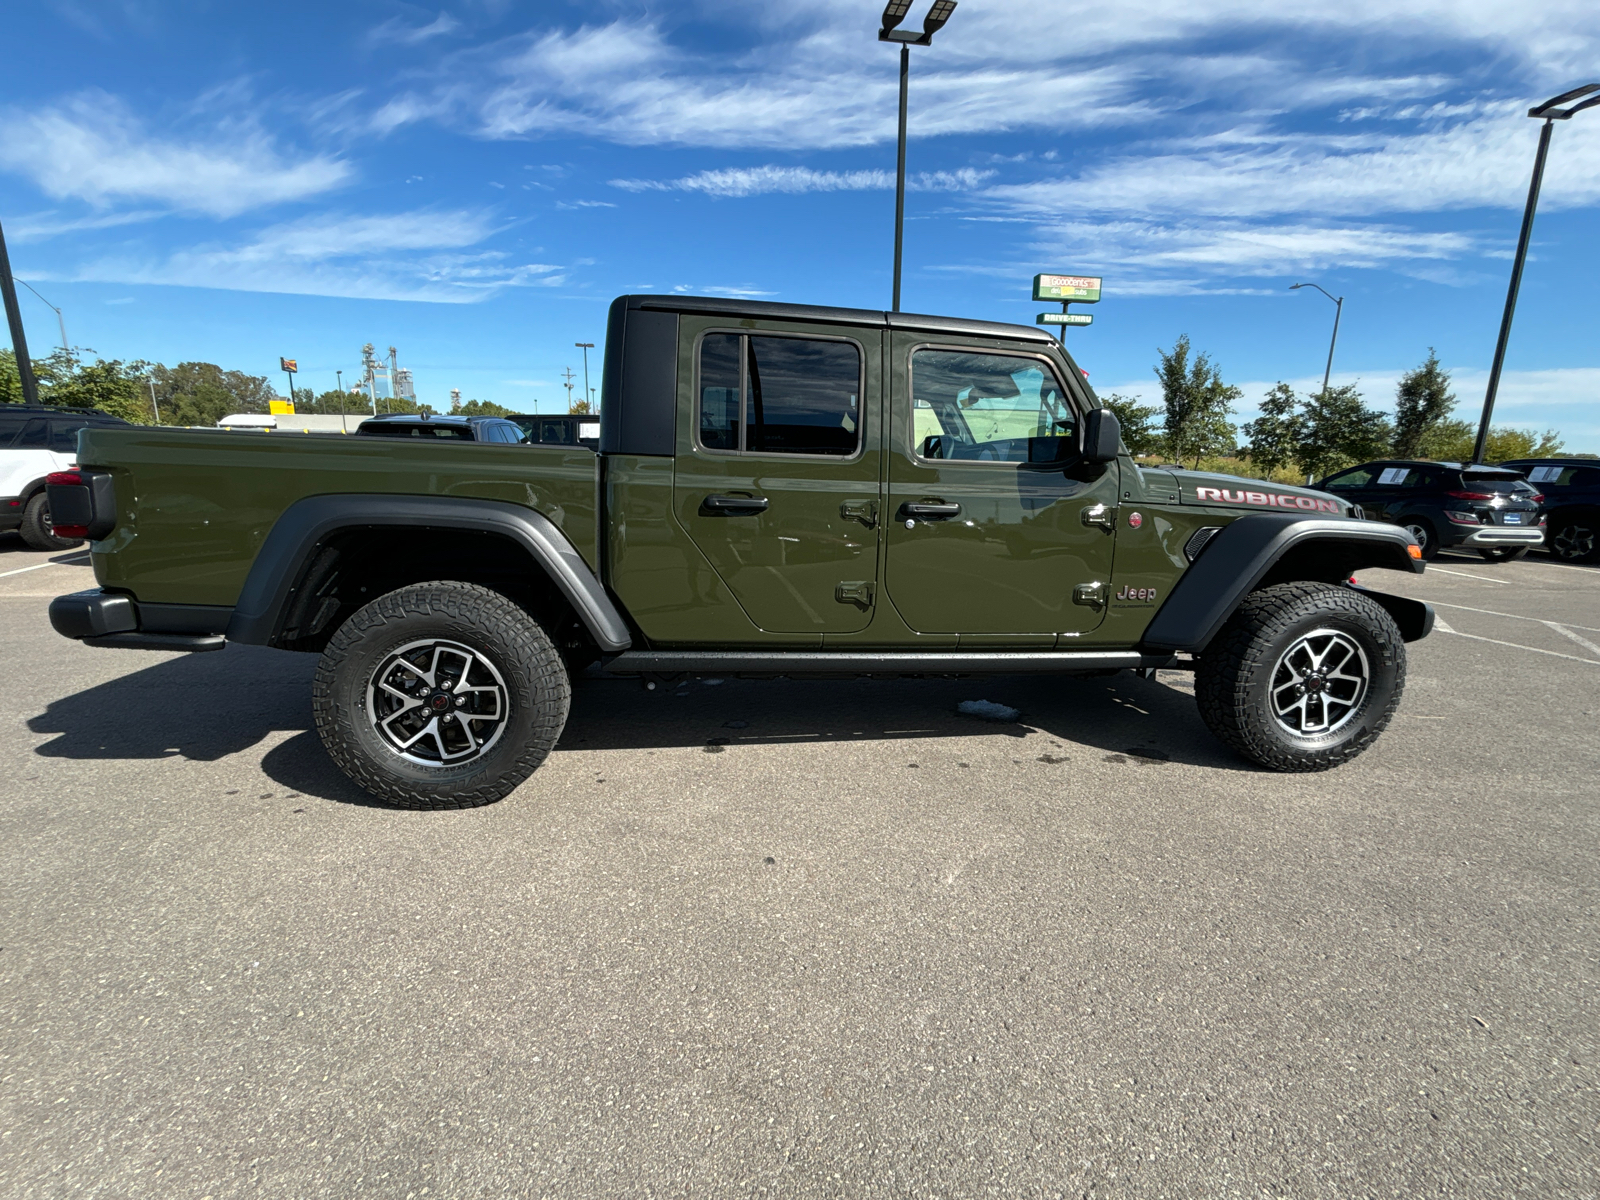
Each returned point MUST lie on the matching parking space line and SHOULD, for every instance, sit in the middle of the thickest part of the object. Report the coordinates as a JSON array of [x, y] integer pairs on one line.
[[1489, 612], [1567, 633], [1444, 627], [1464, 575], [38, 566]]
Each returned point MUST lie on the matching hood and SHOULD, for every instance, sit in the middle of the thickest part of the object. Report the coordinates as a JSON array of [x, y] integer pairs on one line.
[[1251, 495]]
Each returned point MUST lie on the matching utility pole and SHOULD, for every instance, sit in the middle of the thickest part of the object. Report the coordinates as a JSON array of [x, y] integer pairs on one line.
[[588, 392], [569, 375], [394, 378], [19, 342]]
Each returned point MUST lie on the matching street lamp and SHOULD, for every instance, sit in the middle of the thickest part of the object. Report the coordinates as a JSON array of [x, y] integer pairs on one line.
[[893, 13], [1551, 112], [1338, 311], [588, 396], [59, 318]]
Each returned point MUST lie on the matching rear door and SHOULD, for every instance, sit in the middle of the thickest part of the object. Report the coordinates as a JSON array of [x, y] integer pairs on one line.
[[991, 522], [777, 476]]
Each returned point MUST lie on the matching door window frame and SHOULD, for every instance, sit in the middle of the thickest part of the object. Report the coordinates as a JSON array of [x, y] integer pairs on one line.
[[744, 377], [911, 404]]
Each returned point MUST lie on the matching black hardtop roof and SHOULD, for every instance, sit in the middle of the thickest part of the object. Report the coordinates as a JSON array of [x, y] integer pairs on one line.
[[912, 322], [1556, 461]]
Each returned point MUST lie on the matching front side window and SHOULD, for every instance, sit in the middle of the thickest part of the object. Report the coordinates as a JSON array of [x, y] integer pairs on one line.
[[779, 395], [1359, 477], [988, 408]]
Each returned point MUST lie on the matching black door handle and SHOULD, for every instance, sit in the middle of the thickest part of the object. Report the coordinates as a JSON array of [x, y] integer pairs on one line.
[[930, 512], [734, 504]]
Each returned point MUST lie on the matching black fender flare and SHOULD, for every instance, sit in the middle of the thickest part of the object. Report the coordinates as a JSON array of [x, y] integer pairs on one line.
[[284, 556], [1266, 548]]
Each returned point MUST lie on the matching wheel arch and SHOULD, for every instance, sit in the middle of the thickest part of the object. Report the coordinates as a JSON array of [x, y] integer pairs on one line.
[[1262, 549], [304, 580]]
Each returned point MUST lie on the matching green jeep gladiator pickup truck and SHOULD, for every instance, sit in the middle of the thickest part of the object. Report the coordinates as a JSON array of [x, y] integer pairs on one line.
[[779, 490]]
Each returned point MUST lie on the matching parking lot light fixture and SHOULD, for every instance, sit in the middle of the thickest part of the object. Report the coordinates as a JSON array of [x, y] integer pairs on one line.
[[1338, 311], [893, 13], [1549, 112]]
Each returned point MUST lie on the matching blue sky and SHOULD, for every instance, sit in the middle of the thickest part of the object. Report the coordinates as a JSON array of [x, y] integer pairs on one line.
[[473, 183]]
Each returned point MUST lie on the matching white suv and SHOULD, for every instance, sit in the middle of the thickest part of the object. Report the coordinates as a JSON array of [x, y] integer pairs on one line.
[[34, 442]]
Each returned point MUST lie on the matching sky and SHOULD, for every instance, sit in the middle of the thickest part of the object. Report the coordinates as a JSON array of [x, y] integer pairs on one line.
[[472, 184]]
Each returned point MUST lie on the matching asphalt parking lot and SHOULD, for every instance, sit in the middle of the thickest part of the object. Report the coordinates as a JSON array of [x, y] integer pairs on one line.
[[808, 939]]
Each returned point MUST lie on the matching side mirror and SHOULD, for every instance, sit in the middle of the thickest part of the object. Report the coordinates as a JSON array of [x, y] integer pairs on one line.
[[1102, 436]]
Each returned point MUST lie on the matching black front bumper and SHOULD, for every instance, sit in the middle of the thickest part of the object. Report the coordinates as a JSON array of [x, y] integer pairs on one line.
[[98, 618]]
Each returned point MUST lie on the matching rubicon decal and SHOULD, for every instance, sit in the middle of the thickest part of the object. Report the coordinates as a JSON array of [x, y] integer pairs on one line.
[[1267, 499]]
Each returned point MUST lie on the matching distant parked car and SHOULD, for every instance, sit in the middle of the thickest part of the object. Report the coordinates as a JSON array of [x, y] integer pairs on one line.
[[460, 429], [1571, 487], [35, 441], [1492, 510], [566, 429]]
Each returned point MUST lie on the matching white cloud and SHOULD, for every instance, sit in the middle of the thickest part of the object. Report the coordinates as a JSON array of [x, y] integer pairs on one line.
[[92, 148], [406, 256], [755, 181], [395, 30]]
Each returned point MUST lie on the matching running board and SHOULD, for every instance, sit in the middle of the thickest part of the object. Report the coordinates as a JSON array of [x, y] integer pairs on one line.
[[877, 662]]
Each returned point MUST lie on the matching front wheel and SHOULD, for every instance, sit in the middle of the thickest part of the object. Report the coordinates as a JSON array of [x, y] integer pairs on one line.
[[1504, 553], [440, 695], [1303, 677]]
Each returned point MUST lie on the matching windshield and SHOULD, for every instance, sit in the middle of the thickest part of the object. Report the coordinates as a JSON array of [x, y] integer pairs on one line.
[[1503, 483]]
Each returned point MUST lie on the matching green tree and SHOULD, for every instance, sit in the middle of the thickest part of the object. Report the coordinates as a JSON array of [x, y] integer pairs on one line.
[[1137, 422], [1274, 435], [481, 408], [1336, 428], [1198, 403], [1453, 441], [1423, 402]]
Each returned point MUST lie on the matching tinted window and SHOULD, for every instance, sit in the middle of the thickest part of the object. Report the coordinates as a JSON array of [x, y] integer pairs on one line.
[[385, 429], [33, 436], [1359, 477], [64, 436], [986, 407], [557, 433], [1501, 482], [800, 395]]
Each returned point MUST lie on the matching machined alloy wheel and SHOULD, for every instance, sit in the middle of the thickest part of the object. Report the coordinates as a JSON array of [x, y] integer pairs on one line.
[[1304, 676], [1422, 533], [1573, 541], [1319, 682], [438, 703], [440, 695]]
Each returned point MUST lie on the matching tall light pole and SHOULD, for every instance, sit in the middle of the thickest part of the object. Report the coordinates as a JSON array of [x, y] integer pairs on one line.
[[60, 320], [893, 13], [19, 342], [154, 407], [1338, 311], [338, 386], [588, 397], [1550, 111]]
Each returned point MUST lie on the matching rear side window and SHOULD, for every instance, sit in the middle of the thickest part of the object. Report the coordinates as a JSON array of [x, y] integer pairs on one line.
[[556, 433], [779, 395], [457, 433], [64, 436], [35, 435], [1399, 477]]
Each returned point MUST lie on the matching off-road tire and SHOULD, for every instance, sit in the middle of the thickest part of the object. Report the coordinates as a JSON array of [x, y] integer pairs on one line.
[[1501, 554], [535, 681], [1233, 679], [35, 528]]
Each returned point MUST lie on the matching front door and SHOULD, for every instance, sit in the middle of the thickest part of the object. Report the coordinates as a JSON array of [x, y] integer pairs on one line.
[[777, 474], [992, 520]]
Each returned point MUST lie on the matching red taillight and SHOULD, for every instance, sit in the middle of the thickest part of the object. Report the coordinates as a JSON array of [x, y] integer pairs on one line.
[[1471, 495], [1536, 498], [70, 531], [64, 478]]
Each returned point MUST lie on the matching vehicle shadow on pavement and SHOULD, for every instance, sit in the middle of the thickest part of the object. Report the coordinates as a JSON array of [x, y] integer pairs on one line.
[[205, 707]]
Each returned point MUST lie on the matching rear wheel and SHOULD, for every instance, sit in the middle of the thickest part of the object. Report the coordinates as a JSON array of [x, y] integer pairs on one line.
[[1303, 677], [440, 695], [1504, 553], [1573, 539], [1422, 530], [35, 529]]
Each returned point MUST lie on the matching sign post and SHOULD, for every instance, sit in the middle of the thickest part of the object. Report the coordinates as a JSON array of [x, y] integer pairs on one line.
[[280, 408], [1069, 289]]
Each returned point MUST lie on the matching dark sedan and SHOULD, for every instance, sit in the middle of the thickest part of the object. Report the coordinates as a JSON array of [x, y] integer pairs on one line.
[[1492, 510]]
